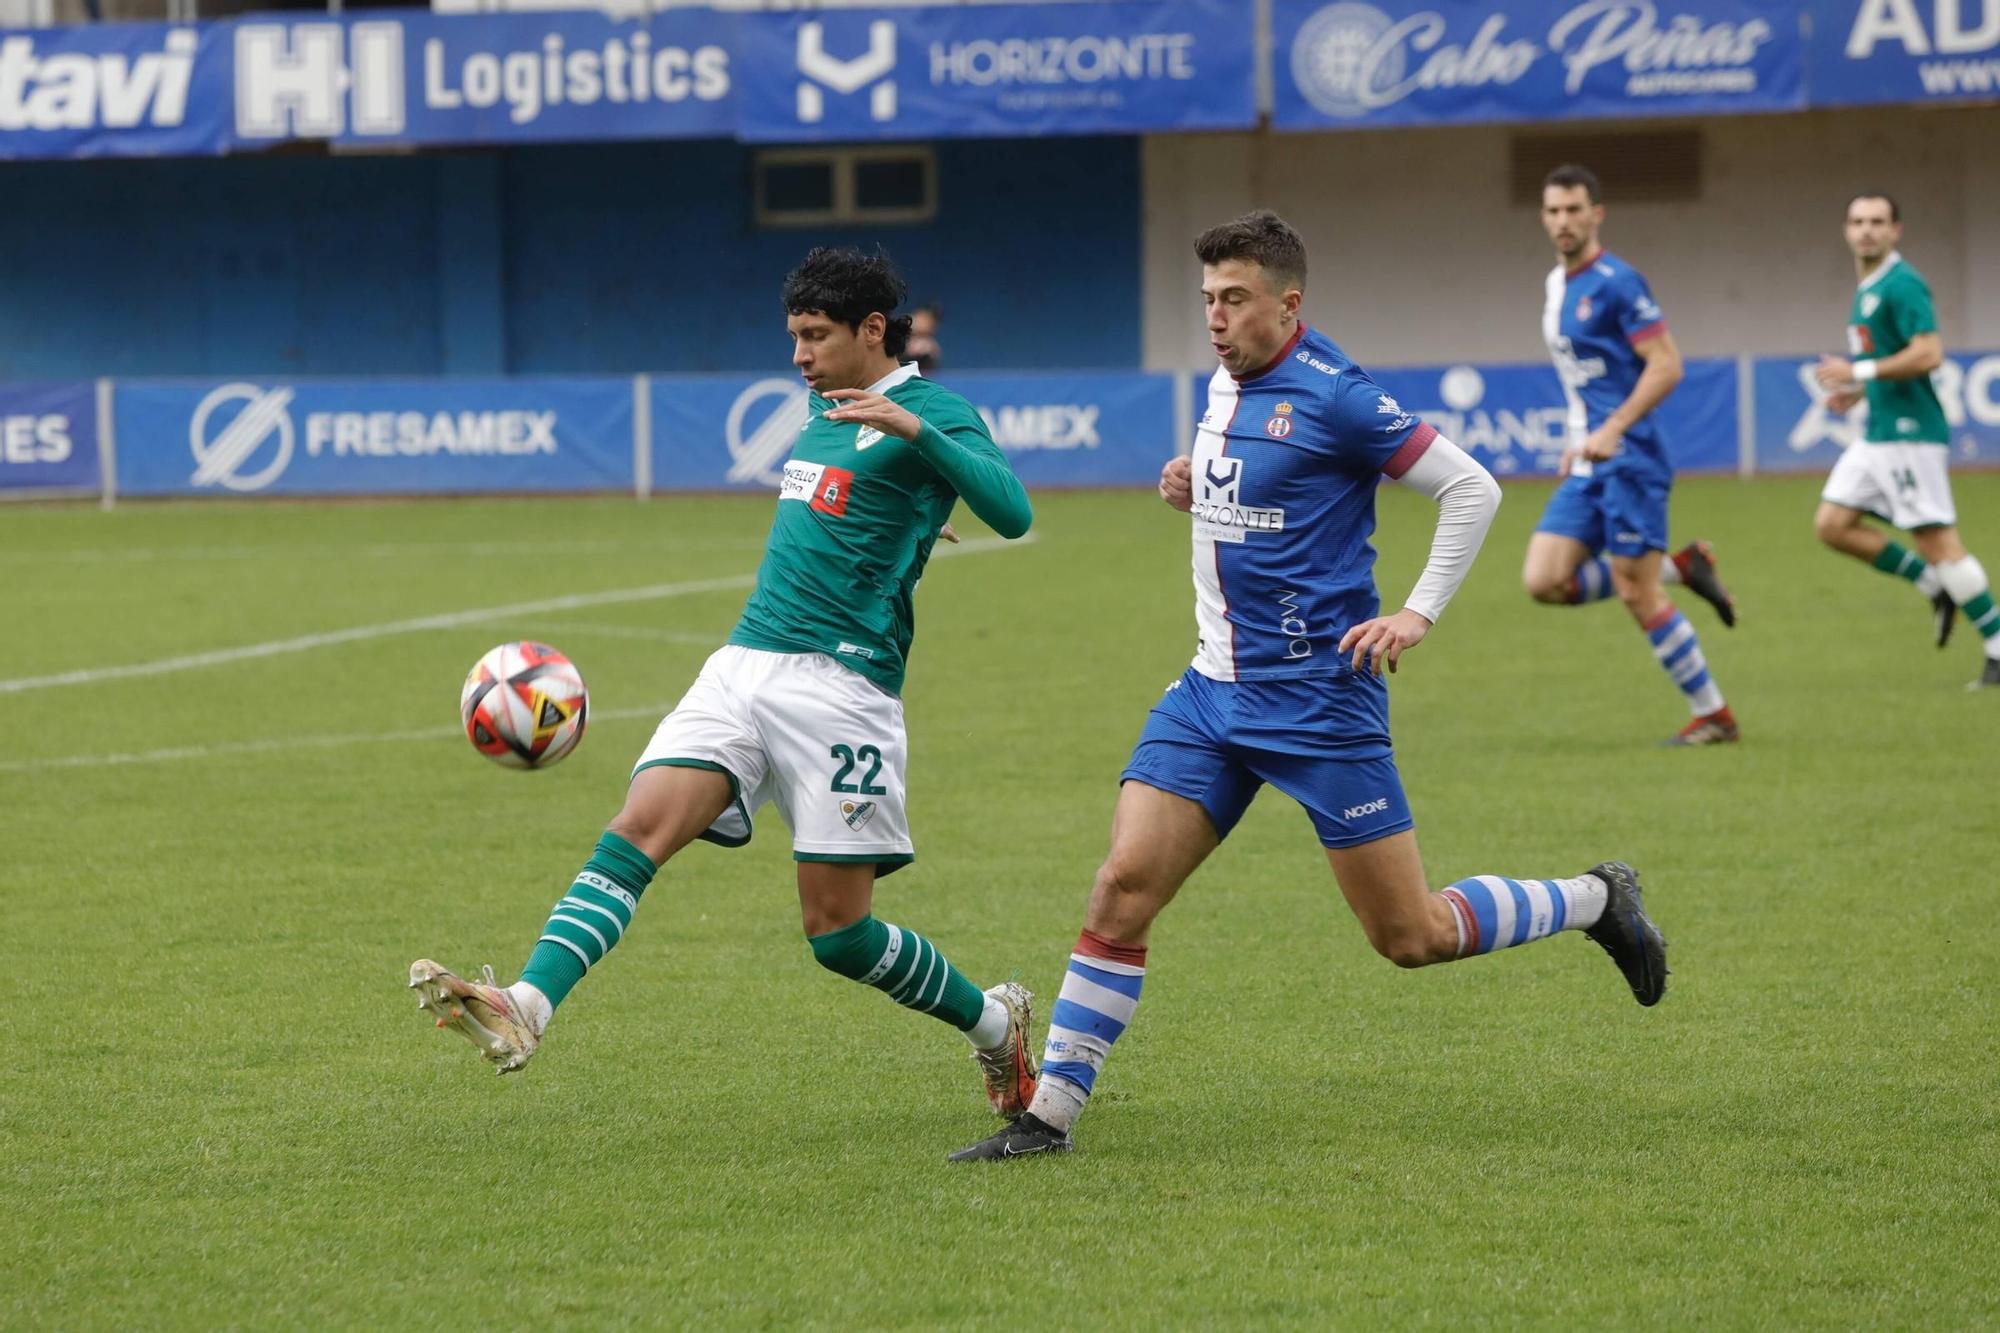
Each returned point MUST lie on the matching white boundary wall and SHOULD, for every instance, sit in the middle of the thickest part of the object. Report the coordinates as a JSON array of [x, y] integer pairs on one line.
[[1417, 256]]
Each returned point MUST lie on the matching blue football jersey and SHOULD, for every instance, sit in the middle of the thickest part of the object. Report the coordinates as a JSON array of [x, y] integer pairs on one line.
[[1285, 466], [1592, 317]]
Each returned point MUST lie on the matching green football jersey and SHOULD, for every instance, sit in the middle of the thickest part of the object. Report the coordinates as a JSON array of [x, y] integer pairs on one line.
[[1891, 306], [858, 513]]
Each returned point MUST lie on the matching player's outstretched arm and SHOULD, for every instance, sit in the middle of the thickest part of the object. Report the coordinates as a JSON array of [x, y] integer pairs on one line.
[[978, 471], [956, 446], [1467, 498]]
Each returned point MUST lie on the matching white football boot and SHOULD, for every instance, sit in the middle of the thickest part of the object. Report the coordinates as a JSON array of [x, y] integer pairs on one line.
[[481, 1012], [1008, 1070]]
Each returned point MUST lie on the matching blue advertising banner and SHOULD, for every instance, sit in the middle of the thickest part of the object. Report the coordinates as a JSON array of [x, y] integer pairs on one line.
[[1865, 51], [501, 78], [729, 432], [373, 437], [48, 437], [115, 90], [1511, 417], [987, 70], [1356, 63], [1795, 433]]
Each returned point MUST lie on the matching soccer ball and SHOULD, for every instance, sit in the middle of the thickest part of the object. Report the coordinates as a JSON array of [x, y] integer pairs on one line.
[[524, 705]]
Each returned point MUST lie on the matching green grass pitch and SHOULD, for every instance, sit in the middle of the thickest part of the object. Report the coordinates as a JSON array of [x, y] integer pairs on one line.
[[220, 1106]]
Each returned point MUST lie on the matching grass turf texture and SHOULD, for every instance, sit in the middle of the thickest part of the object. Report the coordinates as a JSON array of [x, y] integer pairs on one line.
[[222, 1107]]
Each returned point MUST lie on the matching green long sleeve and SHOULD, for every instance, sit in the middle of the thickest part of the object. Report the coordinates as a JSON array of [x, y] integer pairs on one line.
[[974, 466]]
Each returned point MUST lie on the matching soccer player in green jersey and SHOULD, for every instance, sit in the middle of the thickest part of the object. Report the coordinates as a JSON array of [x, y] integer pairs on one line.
[[800, 707], [1896, 472]]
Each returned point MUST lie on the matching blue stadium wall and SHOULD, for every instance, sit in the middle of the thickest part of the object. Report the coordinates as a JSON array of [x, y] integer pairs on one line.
[[555, 260]]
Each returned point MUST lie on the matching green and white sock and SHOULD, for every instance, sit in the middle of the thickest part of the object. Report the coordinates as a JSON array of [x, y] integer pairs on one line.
[[1907, 564], [1966, 581], [903, 965], [591, 918]]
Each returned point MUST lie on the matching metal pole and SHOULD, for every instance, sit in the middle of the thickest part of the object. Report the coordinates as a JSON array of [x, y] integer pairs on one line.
[[107, 447], [642, 436]]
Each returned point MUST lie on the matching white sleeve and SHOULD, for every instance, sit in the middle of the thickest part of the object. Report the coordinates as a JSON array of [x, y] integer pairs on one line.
[[1467, 498]]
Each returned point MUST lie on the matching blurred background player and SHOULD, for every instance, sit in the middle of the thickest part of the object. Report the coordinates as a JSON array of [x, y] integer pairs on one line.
[[924, 349], [1286, 685], [1897, 471], [1605, 527], [801, 706]]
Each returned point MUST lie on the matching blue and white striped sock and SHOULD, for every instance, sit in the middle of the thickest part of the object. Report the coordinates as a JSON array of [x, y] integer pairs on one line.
[[1498, 913], [1100, 992], [1679, 651], [1592, 582]]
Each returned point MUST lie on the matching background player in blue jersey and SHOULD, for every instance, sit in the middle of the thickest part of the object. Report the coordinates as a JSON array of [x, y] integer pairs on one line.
[[1605, 528], [1286, 686]]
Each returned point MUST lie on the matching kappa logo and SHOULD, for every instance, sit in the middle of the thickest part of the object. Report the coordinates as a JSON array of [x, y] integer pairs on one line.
[[846, 77], [857, 813], [760, 427], [1374, 807]]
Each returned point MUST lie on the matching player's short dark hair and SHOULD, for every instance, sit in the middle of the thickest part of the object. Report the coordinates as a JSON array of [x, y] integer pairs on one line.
[[848, 286], [1570, 175], [1895, 210], [1262, 238]]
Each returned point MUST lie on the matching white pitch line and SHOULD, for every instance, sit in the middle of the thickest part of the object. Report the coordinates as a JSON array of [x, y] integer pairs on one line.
[[449, 620], [276, 744], [585, 629]]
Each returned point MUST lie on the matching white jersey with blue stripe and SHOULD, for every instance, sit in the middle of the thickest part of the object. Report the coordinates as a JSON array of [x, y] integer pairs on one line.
[[1592, 316], [1285, 466]]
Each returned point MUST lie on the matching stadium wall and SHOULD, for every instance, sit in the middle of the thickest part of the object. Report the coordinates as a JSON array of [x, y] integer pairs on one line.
[[577, 259], [1419, 255]]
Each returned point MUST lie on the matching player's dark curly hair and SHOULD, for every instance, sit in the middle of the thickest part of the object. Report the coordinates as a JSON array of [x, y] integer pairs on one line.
[[1261, 238], [849, 286]]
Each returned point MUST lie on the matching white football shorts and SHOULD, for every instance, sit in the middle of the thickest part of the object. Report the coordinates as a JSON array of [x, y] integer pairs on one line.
[[1904, 483], [825, 744]]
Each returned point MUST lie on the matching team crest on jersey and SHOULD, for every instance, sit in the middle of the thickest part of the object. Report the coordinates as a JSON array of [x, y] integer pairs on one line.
[[857, 813], [1283, 409], [866, 436], [1870, 304], [1278, 427], [1583, 307]]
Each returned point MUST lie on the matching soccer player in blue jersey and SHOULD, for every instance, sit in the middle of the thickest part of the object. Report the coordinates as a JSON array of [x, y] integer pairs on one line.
[[1605, 528], [1286, 686]]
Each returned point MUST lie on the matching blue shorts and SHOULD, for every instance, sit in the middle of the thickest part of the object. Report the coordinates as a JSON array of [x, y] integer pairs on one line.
[[1618, 510], [1321, 740]]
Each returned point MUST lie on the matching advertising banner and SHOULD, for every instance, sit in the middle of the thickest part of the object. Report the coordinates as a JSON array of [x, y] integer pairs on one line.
[[1872, 51], [48, 437], [373, 437], [998, 70], [1795, 433], [1512, 417], [1351, 64], [731, 432]]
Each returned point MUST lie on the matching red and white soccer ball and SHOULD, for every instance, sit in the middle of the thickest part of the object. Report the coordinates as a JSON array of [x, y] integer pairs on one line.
[[524, 705]]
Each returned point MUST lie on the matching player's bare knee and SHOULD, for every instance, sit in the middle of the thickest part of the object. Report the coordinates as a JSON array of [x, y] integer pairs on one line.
[[1123, 902], [1832, 527]]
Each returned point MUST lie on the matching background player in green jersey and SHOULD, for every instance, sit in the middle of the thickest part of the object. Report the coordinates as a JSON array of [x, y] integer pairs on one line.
[[801, 706], [1896, 472]]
